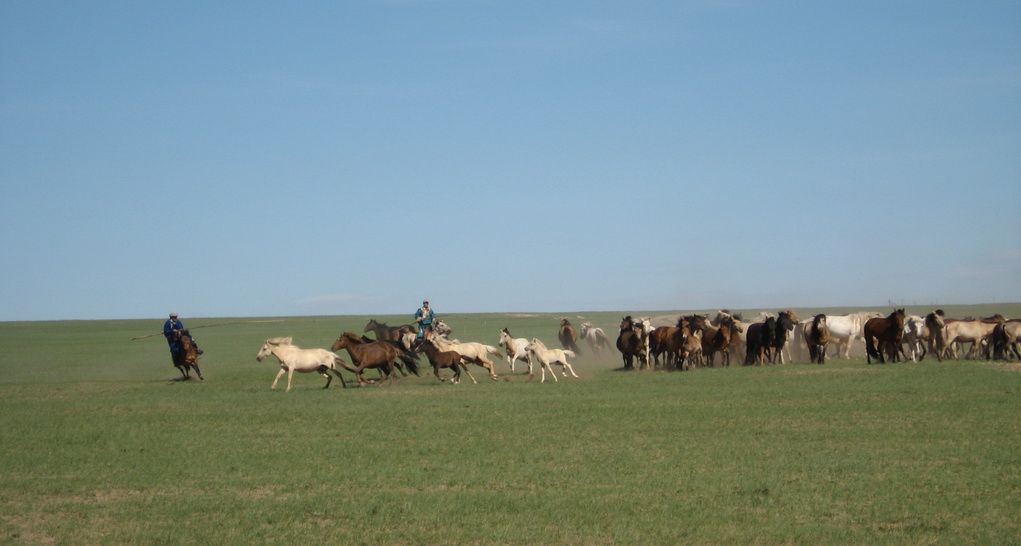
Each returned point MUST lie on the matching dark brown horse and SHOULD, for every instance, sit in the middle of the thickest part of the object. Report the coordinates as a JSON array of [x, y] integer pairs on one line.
[[568, 336], [817, 338], [388, 333], [444, 359], [884, 334], [187, 357], [630, 343], [367, 354], [668, 341]]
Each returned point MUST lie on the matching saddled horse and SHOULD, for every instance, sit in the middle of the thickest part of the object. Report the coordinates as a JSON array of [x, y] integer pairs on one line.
[[444, 359], [884, 334], [387, 333], [546, 357], [568, 335], [368, 354], [295, 359], [596, 338], [631, 343], [187, 357], [476, 353], [516, 348]]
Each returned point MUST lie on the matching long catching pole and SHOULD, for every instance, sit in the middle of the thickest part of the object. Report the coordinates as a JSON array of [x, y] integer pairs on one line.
[[210, 325]]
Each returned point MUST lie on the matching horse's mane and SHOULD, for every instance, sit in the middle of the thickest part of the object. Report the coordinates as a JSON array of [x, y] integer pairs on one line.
[[279, 340]]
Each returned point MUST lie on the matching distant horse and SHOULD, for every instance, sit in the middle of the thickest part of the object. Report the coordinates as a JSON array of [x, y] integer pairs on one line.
[[976, 332], [1005, 340], [595, 337], [884, 334], [724, 339], [630, 343], [516, 349], [473, 352], [846, 328], [444, 359], [934, 334], [295, 359], [368, 354], [817, 335], [667, 341], [759, 341], [785, 323], [914, 334], [568, 336], [387, 333], [187, 357], [546, 356]]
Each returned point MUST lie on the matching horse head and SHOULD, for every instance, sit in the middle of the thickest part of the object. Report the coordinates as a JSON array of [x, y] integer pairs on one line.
[[267, 347], [372, 325], [787, 320]]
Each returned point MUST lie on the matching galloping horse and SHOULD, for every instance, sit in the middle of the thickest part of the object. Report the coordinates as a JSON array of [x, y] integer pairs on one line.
[[595, 337], [630, 343], [375, 354], [473, 352], [568, 336], [516, 349], [295, 359], [723, 340], [444, 359], [884, 333], [387, 333], [547, 356], [187, 357]]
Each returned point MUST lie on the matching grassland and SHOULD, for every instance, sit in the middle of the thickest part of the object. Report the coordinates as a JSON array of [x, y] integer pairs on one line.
[[101, 446]]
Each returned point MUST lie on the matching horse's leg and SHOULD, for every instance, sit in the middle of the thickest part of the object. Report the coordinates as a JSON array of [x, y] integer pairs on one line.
[[568, 368], [465, 368], [329, 379], [436, 372], [290, 374], [277, 378], [341, 377], [197, 371]]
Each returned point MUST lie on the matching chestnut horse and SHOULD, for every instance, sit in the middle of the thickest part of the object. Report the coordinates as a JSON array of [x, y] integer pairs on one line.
[[630, 343], [568, 336], [368, 354], [884, 334], [444, 359]]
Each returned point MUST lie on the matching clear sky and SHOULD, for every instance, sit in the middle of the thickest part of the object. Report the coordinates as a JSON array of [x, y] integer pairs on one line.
[[254, 158]]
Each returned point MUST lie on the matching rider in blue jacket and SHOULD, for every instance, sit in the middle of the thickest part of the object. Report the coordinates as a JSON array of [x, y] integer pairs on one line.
[[424, 317], [172, 329]]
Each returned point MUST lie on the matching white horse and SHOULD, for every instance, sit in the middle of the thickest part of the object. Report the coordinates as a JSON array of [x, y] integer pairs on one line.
[[476, 353], [547, 356], [914, 334], [516, 349], [846, 328], [596, 338], [293, 358]]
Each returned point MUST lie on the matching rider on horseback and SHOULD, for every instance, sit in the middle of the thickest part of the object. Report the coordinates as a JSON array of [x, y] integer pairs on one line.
[[172, 330], [424, 317]]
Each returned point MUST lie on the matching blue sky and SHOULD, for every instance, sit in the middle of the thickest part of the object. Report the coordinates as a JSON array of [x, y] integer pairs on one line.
[[308, 158]]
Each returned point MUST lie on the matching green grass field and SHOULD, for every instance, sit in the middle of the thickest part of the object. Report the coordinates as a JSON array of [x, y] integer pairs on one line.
[[101, 446]]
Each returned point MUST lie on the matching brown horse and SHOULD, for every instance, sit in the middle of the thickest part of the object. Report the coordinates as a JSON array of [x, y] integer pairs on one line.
[[388, 333], [817, 338], [367, 354], [884, 334], [630, 343], [568, 336], [444, 359], [722, 340], [187, 357]]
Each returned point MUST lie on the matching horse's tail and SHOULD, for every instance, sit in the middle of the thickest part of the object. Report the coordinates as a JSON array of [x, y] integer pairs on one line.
[[410, 362], [570, 354], [494, 351]]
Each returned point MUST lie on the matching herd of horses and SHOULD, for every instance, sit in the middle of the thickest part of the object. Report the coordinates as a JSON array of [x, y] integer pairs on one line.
[[694, 341]]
